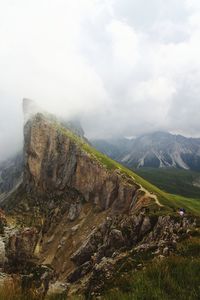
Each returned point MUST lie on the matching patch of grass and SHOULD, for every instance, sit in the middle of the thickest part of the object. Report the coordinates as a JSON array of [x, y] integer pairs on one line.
[[64, 297], [189, 248], [173, 180], [11, 290], [172, 278]]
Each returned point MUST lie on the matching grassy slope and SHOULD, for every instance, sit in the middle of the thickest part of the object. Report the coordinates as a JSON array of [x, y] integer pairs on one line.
[[170, 201], [173, 180], [174, 278]]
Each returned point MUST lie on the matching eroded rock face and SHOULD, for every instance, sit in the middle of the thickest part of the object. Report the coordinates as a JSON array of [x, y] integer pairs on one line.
[[121, 239], [74, 210], [54, 162], [20, 248], [115, 233], [66, 192]]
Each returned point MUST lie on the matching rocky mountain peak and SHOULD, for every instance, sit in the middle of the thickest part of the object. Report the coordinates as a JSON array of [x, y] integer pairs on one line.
[[57, 160]]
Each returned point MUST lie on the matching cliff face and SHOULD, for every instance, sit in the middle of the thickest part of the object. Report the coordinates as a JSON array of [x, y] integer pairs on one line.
[[54, 162], [66, 193]]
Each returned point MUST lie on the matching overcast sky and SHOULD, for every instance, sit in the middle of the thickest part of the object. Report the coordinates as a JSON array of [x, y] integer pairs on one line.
[[122, 66]]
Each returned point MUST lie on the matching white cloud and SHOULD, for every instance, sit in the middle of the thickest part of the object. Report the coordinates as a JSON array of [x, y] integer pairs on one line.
[[192, 5], [123, 66], [124, 44]]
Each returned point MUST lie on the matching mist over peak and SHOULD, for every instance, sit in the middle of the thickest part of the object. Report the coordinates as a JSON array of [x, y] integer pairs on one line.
[[30, 108], [109, 64]]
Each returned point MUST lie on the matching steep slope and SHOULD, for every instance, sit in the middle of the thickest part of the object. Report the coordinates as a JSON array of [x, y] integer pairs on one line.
[[156, 150], [54, 162], [85, 214], [68, 189], [11, 170]]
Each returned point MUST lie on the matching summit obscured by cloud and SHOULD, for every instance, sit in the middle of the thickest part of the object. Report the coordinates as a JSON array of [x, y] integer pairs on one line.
[[123, 67]]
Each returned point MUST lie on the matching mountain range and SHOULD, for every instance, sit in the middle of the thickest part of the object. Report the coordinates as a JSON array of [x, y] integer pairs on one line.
[[155, 150]]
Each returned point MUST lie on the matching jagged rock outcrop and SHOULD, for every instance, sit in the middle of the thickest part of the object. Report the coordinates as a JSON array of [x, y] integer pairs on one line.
[[119, 239], [65, 193], [54, 163], [20, 248]]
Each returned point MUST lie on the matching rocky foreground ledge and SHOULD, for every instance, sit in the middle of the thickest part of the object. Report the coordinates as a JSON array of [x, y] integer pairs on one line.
[[116, 244]]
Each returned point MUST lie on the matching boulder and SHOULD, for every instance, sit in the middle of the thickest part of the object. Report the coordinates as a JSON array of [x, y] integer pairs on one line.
[[20, 248]]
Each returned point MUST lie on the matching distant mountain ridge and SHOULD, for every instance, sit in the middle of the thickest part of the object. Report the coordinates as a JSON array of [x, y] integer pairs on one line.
[[157, 150]]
